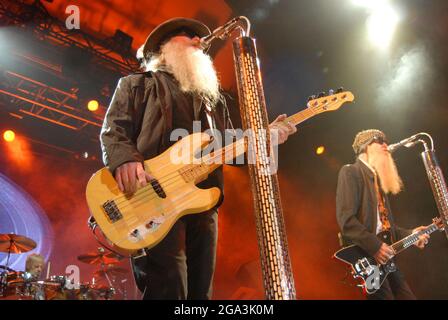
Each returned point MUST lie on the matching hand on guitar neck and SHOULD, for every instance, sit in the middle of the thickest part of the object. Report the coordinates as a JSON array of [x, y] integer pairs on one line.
[[423, 239], [386, 252], [282, 129]]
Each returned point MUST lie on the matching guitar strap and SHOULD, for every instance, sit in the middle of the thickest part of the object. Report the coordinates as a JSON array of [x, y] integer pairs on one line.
[[209, 112], [210, 116]]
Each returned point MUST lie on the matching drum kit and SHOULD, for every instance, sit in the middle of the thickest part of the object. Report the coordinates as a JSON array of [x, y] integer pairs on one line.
[[18, 285]]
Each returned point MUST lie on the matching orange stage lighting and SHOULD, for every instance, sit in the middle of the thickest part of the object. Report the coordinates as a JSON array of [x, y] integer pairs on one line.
[[93, 105], [9, 135], [320, 150]]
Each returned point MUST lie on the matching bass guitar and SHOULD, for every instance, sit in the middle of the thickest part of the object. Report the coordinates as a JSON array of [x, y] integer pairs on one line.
[[142, 219]]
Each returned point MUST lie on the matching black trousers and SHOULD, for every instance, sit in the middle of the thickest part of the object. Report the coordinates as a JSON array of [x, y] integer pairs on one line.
[[394, 287], [182, 265]]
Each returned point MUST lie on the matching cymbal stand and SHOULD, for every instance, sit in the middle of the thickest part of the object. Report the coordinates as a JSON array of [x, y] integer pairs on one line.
[[103, 266], [9, 253]]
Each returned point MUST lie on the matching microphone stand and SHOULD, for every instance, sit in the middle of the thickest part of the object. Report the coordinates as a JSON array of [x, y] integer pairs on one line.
[[225, 30], [437, 182]]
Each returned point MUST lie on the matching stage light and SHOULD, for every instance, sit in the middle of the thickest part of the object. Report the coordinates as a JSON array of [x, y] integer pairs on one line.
[[85, 155], [381, 26], [320, 150], [93, 105], [381, 22], [9, 136], [368, 3]]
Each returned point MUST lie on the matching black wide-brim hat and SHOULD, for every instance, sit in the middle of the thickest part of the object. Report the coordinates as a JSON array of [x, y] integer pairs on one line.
[[169, 29]]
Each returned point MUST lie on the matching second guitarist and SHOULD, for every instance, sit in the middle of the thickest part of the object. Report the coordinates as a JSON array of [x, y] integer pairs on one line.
[[363, 211]]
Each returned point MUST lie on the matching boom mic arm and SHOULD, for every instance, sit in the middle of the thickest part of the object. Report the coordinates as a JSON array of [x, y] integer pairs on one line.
[[408, 142], [224, 31]]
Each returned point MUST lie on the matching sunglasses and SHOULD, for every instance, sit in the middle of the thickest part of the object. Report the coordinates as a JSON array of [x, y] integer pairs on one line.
[[379, 140]]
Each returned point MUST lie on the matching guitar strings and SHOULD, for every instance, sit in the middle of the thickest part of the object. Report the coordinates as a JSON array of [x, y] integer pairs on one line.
[[217, 154], [166, 183], [137, 198], [138, 223], [169, 213], [165, 178], [149, 188], [234, 145]]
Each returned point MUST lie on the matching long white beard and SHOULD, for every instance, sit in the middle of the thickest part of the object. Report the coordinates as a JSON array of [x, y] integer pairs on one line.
[[387, 171], [193, 69]]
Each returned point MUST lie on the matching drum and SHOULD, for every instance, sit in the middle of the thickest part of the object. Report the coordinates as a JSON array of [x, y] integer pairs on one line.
[[14, 286], [53, 288], [87, 291], [100, 292], [84, 292], [59, 288], [3, 282]]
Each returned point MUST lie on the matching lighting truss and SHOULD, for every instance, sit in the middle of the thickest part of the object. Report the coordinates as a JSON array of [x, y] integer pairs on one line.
[[33, 98], [23, 96], [36, 19]]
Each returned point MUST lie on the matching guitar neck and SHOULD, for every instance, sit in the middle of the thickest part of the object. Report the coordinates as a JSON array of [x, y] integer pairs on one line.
[[215, 159], [301, 116], [413, 238], [239, 147]]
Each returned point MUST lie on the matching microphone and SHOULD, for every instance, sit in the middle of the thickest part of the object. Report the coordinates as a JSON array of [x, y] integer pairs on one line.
[[408, 142], [219, 33]]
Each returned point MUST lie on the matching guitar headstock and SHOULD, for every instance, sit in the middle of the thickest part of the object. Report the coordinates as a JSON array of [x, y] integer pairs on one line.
[[333, 101], [439, 223]]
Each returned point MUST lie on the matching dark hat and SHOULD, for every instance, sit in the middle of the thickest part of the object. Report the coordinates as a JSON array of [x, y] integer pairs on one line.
[[170, 28], [366, 137]]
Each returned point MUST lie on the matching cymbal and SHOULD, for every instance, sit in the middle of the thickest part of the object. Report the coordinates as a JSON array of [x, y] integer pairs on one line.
[[16, 244], [111, 271], [98, 258]]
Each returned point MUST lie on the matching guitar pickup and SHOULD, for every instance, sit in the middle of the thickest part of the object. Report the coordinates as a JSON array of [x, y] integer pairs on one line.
[[112, 211], [157, 188]]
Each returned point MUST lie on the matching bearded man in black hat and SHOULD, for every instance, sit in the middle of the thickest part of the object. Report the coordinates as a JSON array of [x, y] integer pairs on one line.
[[363, 210], [179, 86]]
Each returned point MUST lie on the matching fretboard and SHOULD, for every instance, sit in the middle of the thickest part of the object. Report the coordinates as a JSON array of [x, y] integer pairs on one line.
[[239, 147], [413, 238], [210, 162]]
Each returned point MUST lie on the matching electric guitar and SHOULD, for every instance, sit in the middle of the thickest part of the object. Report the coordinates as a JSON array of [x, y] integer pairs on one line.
[[371, 273], [141, 220]]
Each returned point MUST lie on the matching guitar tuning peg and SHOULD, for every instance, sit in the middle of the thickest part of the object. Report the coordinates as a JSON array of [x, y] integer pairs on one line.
[[322, 94], [311, 97], [330, 92], [340, 89]]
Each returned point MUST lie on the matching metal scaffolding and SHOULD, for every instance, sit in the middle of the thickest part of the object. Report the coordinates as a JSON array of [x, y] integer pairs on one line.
[[34, 98], [36, 19], [25, 94]]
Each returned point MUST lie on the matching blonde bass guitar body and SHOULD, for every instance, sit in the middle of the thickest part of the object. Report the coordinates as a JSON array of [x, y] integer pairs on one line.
[[141, 220]]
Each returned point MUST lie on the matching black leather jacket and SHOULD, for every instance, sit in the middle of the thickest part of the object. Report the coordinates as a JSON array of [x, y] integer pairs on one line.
[[139, 120]]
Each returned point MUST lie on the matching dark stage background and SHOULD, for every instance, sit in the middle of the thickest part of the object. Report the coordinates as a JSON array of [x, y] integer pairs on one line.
[[305, 47]]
